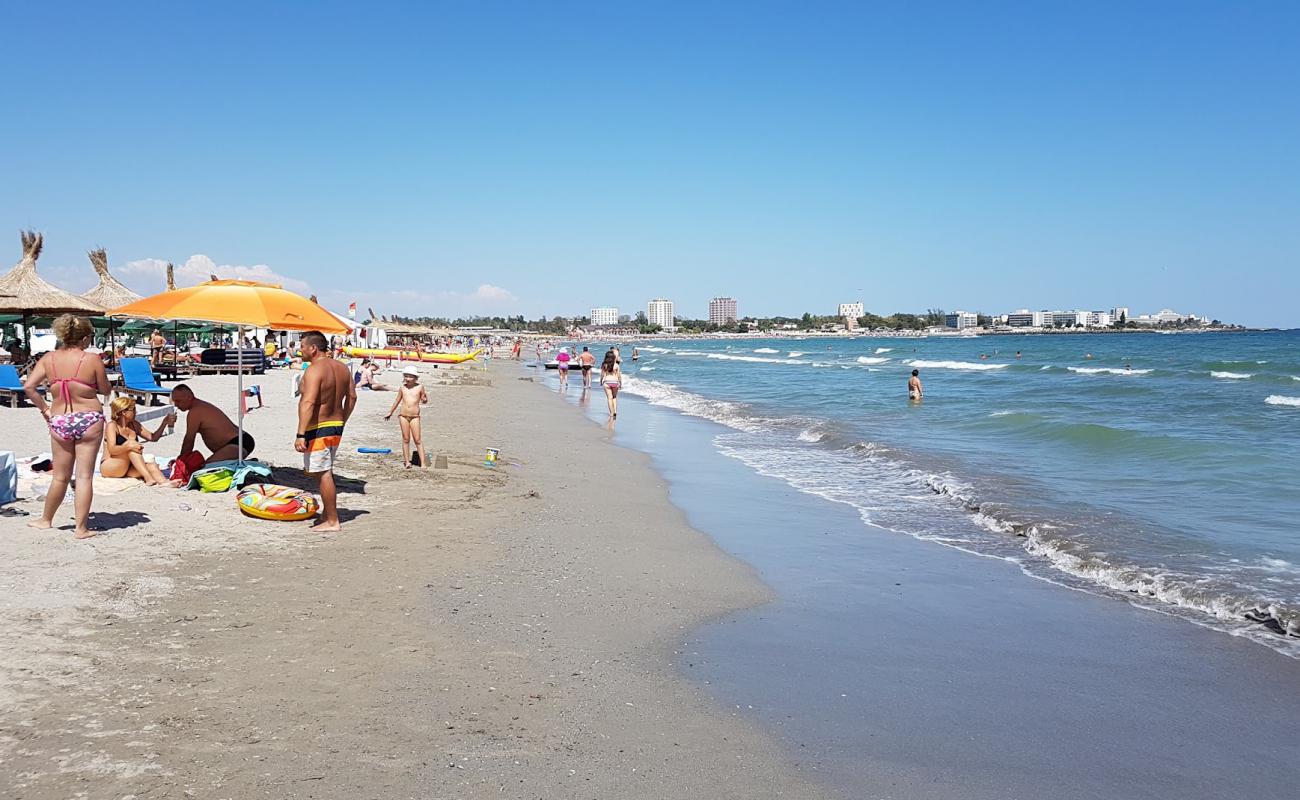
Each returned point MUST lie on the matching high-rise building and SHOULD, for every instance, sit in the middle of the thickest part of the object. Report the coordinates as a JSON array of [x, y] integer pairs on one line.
[[722, 310], [660, 312], [851, 310], [604, 316]]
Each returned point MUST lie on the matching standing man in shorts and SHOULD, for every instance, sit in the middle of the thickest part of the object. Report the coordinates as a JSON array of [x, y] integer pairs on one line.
[[587, 360], [328, 398]]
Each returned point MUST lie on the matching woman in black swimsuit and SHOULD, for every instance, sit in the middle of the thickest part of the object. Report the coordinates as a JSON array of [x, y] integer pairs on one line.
[[123, 452]]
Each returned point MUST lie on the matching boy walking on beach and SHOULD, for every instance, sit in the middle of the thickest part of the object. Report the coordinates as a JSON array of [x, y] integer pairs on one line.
[[328, 398], [410, 396]]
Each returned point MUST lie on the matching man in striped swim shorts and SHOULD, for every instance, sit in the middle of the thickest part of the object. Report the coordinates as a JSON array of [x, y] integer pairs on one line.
[[326, 401]]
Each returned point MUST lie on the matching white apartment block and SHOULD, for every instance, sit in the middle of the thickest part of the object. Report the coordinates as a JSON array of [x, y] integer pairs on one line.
[[722, 310], [1024, 318], [660, 312], [851, 310], [604, 316], [961, 320]]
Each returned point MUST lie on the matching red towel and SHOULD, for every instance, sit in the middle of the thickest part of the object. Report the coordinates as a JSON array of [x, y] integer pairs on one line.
[[184, 467]]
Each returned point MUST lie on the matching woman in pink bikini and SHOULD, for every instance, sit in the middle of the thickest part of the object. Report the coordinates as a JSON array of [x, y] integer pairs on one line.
[[75, 416]]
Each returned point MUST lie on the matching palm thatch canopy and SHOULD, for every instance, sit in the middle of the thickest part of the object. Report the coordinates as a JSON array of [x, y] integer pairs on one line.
[[22, 291], [110, 293]]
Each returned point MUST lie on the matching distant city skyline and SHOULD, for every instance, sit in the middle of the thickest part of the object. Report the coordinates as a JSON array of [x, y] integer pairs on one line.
[[1015, 156]]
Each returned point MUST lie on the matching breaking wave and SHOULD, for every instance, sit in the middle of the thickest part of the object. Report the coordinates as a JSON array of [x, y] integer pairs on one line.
[[884, 485], [967, 365], [1107, 371]]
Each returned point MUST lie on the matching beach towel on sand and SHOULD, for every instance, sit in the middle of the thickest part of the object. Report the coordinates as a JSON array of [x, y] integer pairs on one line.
[[213, 478]]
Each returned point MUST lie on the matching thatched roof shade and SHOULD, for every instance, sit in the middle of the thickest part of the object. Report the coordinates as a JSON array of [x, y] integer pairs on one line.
[[22, 290], [110, 293]]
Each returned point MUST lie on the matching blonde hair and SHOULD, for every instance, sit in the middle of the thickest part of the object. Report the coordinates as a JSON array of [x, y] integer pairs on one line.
[[119, 407], [71, 329]]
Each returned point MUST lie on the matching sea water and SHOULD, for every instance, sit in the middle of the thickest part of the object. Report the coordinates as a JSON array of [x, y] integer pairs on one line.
[[1156, 469]]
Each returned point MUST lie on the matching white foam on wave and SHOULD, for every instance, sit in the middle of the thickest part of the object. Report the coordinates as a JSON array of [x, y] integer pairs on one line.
[[1295, 377], [966, 365], [1231, 376], [646, 369], [1002, 413], [821, 473], [665, 394], [880, 350], [796, 354], [1107, 371], [872, 360], [766, 350], [731, 357], [652, 349], [1282, 400], [754, 359]]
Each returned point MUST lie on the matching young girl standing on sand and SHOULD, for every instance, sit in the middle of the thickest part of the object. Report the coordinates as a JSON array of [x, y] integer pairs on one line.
[[612, 378], [410, 396]]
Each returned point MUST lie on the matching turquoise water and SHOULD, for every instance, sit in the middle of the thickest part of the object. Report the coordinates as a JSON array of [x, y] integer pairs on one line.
[[1161, 470]]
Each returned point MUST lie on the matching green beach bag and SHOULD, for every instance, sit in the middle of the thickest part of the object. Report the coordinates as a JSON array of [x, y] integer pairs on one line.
[[215, 480]]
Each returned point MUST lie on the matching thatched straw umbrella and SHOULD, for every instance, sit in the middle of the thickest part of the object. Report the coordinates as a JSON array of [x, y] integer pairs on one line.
[[22, 291], [108, 293]]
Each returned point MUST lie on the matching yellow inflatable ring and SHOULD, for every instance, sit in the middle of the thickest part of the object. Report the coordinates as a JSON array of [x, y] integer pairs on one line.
[[271, 501]]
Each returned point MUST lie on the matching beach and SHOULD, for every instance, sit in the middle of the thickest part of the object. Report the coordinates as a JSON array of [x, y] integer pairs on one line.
[[474, 632]]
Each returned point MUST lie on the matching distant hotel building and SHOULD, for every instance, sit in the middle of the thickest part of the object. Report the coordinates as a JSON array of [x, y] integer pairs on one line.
[[722, 310], [851, 311], [604, 316], [660, 312], [961, 320], [1024, 318]]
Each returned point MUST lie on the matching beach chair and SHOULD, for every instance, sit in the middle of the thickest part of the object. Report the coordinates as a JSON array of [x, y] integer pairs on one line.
[[11, 386], [138, 380]]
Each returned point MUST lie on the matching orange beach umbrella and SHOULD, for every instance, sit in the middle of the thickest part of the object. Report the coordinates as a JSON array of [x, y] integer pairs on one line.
[[229, 302], [245, 304]]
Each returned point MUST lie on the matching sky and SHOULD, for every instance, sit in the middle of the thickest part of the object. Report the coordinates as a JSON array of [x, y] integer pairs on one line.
[[453, 158]]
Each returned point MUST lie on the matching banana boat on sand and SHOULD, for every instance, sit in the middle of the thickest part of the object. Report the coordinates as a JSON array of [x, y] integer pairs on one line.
[[411, 355]]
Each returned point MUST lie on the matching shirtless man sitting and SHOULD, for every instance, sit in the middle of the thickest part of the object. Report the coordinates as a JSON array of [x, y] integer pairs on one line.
[[328, 398], [202, 419]]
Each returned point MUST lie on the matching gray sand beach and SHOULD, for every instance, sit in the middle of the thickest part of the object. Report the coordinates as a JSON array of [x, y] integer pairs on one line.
[[474, 632]]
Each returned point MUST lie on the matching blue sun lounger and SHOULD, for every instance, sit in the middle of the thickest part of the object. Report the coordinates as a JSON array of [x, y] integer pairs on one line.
[[11, 386], [138, 380]]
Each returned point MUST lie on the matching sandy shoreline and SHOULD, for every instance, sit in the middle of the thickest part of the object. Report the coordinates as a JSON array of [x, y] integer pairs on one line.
[[475, 632]]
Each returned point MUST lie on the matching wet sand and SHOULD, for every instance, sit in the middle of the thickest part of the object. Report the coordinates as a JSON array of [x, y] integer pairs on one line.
[[474, 632], [899, 668]]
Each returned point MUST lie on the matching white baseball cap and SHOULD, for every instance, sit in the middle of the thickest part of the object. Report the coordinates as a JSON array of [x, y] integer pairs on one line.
[[412, 371]]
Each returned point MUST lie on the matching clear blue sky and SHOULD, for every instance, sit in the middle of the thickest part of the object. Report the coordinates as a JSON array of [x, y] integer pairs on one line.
[[542, 158]]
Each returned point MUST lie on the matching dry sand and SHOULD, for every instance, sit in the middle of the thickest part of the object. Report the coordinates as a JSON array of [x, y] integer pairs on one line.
[[474, 632]]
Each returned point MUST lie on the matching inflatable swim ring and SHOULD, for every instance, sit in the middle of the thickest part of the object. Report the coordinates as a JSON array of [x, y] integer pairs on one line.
[[271, 501]]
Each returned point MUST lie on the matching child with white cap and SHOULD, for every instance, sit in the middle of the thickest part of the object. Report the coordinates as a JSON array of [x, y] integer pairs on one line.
[[410, 396]]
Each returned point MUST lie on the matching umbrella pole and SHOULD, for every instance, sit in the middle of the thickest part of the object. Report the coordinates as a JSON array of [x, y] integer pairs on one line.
[[240, 354]]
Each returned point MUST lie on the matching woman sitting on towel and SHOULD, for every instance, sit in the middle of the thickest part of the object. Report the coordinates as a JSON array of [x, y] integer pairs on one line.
[[123, 453]]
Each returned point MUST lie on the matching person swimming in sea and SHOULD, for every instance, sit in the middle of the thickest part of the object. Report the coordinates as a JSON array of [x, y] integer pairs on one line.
[[914, 390]]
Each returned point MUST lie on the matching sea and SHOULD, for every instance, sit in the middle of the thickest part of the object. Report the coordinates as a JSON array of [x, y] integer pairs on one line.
[[1158, 470]]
